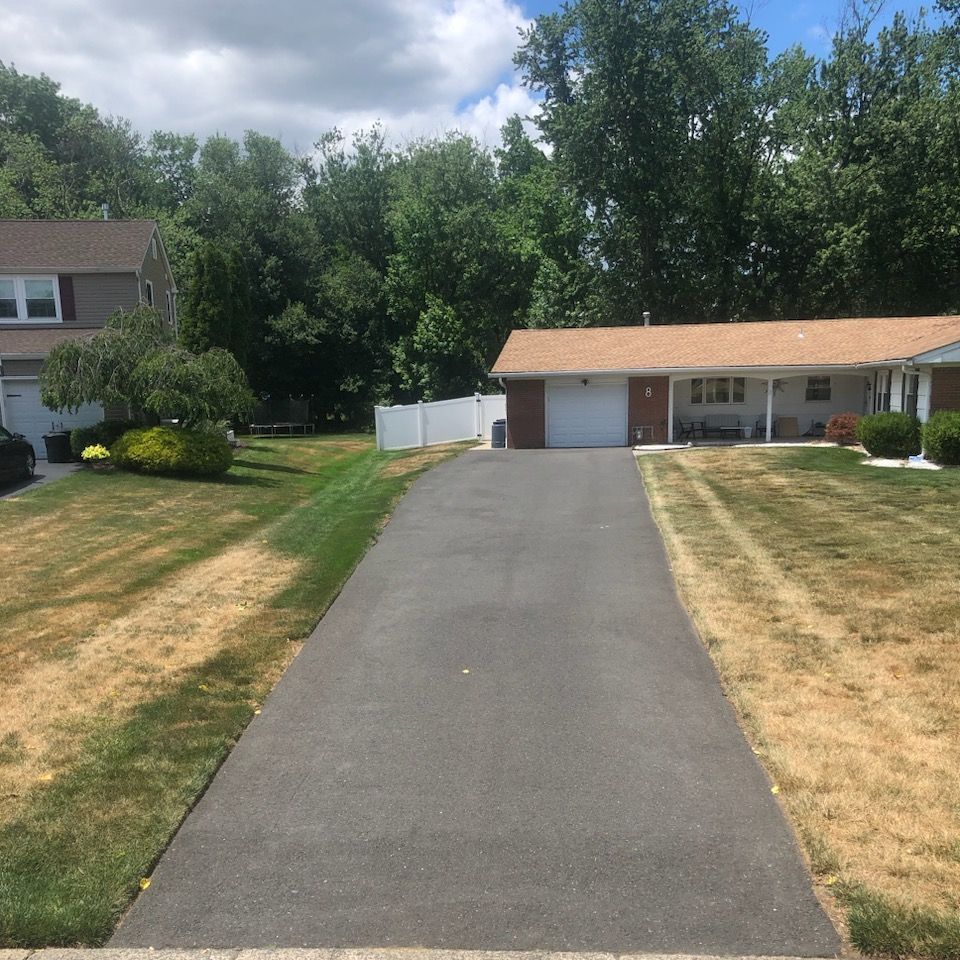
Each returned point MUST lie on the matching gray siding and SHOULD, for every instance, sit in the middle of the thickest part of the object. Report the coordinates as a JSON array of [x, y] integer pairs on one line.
[[116, 411], [21, 368], [97, 295], [158, 273]]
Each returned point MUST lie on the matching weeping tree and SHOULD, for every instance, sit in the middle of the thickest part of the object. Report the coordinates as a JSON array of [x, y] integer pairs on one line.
[[135, 360]]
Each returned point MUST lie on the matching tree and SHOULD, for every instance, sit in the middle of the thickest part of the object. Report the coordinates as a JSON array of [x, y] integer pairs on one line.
[[133, 360], [216, 311], [451, 268], [660, 115]]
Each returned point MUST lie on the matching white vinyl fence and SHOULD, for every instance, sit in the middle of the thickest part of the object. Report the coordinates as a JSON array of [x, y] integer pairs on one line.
[[424, 424]]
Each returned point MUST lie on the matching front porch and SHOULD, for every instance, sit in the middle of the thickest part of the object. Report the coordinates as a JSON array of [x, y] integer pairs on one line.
[[720, 409]]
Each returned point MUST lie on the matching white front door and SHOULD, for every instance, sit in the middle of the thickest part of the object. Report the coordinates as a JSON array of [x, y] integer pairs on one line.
[[591, 415], [24, 413]]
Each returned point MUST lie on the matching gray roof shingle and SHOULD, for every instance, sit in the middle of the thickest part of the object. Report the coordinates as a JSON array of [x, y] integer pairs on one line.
[[33, 342], [74, 246]]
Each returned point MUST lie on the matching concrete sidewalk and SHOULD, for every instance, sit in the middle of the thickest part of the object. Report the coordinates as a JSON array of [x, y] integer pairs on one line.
[[504, 735]]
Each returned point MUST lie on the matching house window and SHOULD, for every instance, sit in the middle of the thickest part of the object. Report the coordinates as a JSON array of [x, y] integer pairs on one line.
[[153, 248], [149, 288], [882, 403], [818, 388], [27, 299], [170, 308], [717, 389], [910, 387]]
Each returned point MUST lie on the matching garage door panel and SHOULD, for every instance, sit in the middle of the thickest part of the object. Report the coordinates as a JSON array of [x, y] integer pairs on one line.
[[24, 413], [594, 415]]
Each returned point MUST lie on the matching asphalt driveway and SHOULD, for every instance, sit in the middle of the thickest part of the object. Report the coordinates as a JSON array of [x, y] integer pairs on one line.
[[504, 735]]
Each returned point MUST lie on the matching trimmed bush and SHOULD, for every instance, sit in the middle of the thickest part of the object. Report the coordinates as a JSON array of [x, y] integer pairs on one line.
[[171, 451], [941, 437], [842, 427], [105, 433], [890, 435]]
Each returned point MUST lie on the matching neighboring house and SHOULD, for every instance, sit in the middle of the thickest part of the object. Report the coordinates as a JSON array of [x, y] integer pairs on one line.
[[60, 280], [607, 386]]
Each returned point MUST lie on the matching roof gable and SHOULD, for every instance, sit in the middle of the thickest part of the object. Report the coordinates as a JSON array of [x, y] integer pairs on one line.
[[766, 344], [74, 246]]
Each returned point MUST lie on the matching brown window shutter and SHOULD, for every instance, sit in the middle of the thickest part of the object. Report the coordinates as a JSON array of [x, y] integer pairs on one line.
[[68, 305]]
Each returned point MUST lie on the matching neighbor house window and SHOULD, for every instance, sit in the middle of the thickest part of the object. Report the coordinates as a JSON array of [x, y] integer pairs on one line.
[[8, 300], [29, 298], [153, 248], [717, 389], [149, 288], [170, 308], [818, 388]]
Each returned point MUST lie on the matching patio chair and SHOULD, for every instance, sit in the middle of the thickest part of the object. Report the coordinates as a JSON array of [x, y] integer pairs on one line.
[[689, 429]]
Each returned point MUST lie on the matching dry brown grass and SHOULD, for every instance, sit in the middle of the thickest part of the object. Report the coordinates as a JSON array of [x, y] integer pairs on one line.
[[114, 662], [418, 459], [830, 601]]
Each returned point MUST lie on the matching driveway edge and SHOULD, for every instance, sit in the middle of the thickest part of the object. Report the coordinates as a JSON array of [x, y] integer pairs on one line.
[[284, 953]]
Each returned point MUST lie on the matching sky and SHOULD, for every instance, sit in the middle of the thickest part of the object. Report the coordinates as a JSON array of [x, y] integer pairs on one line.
[[296, 68]]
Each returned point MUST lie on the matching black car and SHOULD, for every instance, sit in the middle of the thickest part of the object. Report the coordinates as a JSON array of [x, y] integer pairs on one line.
[[17, 458]]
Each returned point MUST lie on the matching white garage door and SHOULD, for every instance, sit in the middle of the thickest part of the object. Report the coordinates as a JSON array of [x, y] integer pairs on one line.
[[24, 413], [594, 415]]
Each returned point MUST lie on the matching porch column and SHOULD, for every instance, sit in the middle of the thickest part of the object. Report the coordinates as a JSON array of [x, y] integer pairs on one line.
[[669, 409], [769, 409]]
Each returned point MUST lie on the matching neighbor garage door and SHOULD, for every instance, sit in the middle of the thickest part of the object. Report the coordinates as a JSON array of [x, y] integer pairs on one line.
[[594, 415], [24, 413]]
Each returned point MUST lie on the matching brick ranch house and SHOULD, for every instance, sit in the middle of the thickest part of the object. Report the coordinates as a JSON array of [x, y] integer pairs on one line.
[[612, 386], [60, 280]]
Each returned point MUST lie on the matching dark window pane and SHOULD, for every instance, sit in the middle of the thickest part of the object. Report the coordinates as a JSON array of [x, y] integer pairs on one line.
[[8, 299], [818, 388], [41, 303]]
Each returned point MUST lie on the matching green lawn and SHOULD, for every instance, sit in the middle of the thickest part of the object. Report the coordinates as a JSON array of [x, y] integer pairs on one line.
[[142, 621], [828, 593]]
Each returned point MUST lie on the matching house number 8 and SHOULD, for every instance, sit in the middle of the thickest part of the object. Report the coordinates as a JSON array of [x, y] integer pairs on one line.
[[648, 393]]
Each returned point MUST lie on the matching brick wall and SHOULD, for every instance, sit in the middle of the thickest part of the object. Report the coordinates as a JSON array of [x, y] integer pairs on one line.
[[525, 412], [945, 389], [652, 410]]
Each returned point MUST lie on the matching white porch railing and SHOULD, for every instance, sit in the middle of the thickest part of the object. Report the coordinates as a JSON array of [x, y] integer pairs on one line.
[[444, 421]]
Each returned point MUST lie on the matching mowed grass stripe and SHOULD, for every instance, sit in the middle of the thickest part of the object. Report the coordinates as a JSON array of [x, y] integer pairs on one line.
[[73, 856], [829, 596]]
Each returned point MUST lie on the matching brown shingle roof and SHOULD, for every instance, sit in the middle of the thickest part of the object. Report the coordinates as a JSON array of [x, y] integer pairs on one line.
[[776, 343], [29, 341], [74, 246]]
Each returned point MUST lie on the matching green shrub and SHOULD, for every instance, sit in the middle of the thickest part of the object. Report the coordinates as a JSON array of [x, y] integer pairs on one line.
[[105, 433], [169, 450], [842, 427], [941, 437], [890, 435]]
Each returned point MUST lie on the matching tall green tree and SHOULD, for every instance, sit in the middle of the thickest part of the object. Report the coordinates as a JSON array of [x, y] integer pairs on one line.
[[217, 306], [660, 116]]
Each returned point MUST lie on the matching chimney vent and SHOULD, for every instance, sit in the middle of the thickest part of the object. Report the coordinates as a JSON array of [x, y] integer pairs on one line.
[[105, 207], [646, 318]]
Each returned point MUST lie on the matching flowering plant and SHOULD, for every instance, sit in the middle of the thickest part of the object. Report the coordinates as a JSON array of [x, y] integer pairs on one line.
[[95, 453]]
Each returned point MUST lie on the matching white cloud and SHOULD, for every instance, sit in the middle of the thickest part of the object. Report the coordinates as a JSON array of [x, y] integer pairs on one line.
[[290, 68]]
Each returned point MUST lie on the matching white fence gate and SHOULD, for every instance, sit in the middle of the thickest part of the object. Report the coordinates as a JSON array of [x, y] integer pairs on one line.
[[445, 421]]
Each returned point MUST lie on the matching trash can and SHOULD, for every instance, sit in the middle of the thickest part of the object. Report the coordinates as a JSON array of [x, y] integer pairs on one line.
[[498, 434], [58, 447]]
